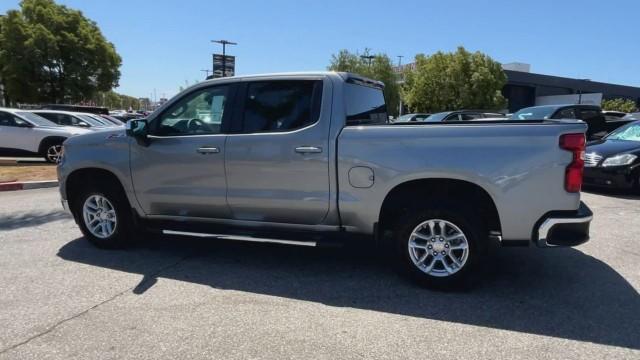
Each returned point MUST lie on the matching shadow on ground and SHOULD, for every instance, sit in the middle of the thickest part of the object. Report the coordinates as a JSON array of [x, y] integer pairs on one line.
[[561, 293], [26, 219]]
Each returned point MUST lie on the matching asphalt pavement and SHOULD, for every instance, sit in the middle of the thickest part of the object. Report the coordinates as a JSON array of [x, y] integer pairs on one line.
[[179, 298]]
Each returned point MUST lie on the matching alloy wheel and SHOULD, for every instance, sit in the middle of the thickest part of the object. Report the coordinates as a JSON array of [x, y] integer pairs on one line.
[[438, 247], [53, 153], [99, 216]]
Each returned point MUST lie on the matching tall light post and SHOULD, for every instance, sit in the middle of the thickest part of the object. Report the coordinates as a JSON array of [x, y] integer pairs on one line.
[[206, 72], [224, 49], [369, 58], [401, 81], [580, 91]]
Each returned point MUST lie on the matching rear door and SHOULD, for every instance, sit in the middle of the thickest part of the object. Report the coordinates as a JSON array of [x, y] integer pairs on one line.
[[277, 163]]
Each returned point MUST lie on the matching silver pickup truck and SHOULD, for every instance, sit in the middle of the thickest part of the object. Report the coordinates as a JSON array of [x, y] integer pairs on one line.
[[310, 157]]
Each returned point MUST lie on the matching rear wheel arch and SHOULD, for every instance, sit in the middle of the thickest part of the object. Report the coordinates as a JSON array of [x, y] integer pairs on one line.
[[50, 140], [409, 195]]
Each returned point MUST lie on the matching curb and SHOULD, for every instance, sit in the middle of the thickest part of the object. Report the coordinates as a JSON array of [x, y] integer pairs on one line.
[[27, 185]]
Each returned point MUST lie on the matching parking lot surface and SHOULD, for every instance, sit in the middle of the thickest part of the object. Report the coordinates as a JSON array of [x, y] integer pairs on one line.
[[61, 298]]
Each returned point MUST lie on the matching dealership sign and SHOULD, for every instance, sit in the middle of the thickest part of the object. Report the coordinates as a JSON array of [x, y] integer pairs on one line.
[[223, 65]]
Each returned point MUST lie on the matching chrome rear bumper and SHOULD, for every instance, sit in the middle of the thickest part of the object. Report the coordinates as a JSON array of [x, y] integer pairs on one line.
[[564, 228]]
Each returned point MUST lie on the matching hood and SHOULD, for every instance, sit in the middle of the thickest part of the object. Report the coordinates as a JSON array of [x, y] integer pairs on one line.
[[69, 130], [612, 147], [103, 136]]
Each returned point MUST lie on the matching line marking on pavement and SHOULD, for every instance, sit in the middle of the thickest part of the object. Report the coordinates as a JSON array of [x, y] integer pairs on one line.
[[130, 289]]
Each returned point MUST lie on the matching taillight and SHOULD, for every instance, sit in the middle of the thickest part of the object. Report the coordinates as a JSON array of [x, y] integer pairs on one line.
[[573, 175]]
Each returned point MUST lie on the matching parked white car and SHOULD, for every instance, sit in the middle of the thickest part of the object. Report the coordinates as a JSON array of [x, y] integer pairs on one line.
[[70, 118], [23, 133]]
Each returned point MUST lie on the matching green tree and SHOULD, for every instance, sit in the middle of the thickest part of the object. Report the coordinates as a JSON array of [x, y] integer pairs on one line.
[[624, 105], [50, 53], [450, 81], [113, 100], [380, 68]]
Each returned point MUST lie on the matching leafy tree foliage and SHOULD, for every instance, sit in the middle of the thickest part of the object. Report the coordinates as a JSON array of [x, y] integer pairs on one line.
[[451, 81], [380, 68], [624, 105], [50, 53], [112, 100]]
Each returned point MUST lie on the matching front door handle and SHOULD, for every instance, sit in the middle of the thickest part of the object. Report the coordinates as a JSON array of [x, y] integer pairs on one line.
[[208, 150], [308, 150]]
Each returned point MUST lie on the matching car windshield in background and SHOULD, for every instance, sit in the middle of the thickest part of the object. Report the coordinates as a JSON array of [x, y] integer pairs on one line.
[[99, 119], [437, 116], [533, 113], [90, 120], [365, 105], [36, 119], [629, 132], [406, 117]]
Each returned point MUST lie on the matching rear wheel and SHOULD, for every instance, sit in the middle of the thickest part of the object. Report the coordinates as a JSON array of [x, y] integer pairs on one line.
[[439, 247], [104, 216]]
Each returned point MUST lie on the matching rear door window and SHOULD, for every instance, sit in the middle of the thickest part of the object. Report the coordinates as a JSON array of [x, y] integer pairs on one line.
[[568, 113], [470, 116], [281, 105]]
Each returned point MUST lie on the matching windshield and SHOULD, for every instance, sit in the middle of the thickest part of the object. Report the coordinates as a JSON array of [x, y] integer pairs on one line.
[[113, 120], [533, 113], [99, 119], [36, 119], [629, 132], [405, 117], [437, 116], [88, 119]]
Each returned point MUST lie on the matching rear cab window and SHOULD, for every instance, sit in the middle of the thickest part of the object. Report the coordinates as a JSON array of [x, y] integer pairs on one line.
[[365, 104]]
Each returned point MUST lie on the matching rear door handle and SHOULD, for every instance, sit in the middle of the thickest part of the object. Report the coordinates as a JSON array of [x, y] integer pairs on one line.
[[208, 150], [308, 150]]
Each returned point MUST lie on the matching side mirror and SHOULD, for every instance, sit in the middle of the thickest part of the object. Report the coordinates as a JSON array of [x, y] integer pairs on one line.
[[24, 125], [83, 124], [138, 129]]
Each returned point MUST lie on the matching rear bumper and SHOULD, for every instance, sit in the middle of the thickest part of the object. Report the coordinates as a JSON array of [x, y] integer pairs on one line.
[[564, 228]]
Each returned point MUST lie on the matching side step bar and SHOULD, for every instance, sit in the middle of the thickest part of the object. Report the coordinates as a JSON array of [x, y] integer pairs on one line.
[[240, 238]]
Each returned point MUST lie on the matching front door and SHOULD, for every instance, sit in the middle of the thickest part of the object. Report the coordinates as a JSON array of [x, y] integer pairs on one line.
[[17, 134], [180, 171], [278, 165]]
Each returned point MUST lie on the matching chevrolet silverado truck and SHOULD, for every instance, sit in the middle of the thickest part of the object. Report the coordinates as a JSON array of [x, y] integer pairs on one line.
[[306, 158]]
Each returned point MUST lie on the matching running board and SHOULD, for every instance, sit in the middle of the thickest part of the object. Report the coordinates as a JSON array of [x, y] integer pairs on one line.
[[240, 238]]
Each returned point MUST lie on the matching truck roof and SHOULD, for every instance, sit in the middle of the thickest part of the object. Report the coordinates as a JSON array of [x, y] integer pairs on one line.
[[346, 76]]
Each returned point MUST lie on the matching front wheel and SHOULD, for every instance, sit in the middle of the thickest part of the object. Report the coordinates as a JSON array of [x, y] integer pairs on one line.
[[104, 216], [440, 247]]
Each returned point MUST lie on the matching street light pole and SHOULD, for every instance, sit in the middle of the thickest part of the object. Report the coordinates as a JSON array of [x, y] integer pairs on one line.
[[401, 82], [368, 58], [580, 91], [206, 72], [224, 58]]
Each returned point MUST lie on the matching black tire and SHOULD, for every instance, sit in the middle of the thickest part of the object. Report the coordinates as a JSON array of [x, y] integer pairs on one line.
[[124, 229], [466, 220]]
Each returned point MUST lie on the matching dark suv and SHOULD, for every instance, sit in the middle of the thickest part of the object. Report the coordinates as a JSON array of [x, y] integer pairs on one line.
[[599, 126]]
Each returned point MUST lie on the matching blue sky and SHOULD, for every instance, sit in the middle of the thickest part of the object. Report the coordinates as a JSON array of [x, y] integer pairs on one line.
[[164, 43]]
